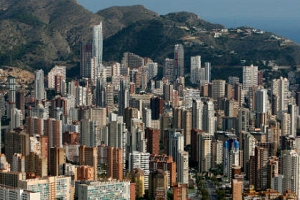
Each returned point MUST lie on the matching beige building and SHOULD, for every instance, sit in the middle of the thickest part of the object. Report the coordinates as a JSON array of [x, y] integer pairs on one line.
[[237, 188], [50, 188]]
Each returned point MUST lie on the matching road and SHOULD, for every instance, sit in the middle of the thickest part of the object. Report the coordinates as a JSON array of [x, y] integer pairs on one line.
[[211, 189]]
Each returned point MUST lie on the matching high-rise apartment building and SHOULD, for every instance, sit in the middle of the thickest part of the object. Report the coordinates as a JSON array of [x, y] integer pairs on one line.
[[89, 156], [39, 90], [182, 167], [140, 160], [207, 68], [290, 170], [53, 129], [14, 193], [86, 55], [153, 138], [16, 142], [261, 101], [50, 187], [168, 70], [36, 164], [88, 133], [98, 43], [16, 119], [218, 89], [57, 157], [175, 143], [204, 152], [114, 163], [186, 125], [280, 88], [197, 114], [158, 184], [54, 72], [209, 117], [250, 76], [231, 156], [157, 107], [113, 190], [178, 60], [165, 163], [195, 69]]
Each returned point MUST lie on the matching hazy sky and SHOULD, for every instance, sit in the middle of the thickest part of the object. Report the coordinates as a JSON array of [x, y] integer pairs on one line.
[[279, 16]]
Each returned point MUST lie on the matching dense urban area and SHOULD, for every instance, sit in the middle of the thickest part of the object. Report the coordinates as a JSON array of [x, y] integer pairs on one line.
[[134, 130]]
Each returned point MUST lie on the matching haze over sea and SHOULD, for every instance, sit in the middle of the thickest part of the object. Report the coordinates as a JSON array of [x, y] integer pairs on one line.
[[281, 17]]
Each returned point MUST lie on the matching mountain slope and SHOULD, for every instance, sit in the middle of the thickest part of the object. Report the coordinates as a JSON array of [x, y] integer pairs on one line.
[[41, 33], [38, 32]]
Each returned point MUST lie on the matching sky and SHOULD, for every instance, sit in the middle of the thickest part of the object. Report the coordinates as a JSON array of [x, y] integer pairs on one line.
[[279, 16]]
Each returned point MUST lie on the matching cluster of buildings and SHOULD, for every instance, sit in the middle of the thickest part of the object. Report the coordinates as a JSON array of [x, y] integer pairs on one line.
[[119, 133]]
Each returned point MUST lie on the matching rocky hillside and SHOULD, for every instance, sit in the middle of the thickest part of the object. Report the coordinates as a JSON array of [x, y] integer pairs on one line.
[[41, 33]]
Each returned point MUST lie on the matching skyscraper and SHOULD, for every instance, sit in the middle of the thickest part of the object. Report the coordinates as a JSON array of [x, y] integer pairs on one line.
[[140, 160], [250, 76], [261, 101], [280, 88], [182, 167], [56, 71], [157, 107], [39, 91], [290, 170], [197, 112], [231, 156], [195, 69], [98, 43], [208, 72], [178, 60], [209, 117], [218, 89], [204, 152], [168, 70]]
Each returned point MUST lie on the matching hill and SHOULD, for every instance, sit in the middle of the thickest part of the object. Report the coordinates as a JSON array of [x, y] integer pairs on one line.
[[41, 33]]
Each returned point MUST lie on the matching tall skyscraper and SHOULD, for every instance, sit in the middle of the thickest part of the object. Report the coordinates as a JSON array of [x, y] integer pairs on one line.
[[197, 112], [157, 107], [114, 163], [54, 72], [123, 97], [218, 89], [250, 78], [168, 70], [152, 136], [178, 60], [230, 156], [140, 160], [57, 157], [89, 156], [209, 117], [98, 43], [207, 72], [204, 152], [280, 88], [195, 69], [86, 55], [290, 170], [182, 167], [39, 90], [261, 101]]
